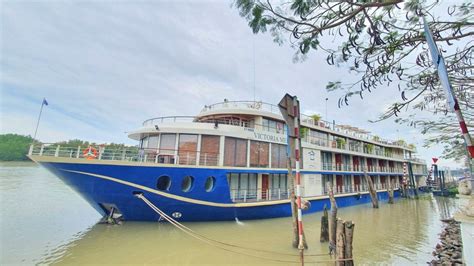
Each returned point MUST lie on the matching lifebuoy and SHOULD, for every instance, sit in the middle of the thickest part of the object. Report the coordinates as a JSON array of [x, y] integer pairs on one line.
[[90, 153]]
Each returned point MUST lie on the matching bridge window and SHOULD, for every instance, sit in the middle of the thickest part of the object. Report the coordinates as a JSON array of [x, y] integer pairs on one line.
[[164, 183], [235, 152], [209, 150], [259, 152], [153, 142]]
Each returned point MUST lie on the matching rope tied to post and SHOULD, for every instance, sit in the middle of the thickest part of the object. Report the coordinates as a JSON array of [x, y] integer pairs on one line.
[[227, 246]]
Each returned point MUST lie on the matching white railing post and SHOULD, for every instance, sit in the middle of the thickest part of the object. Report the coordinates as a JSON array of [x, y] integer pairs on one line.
[[123, 154], [56, 153], [269, 196], [279, 193], [30, 151], [101, 151], [245, 195], [41, 150], [233, 195]]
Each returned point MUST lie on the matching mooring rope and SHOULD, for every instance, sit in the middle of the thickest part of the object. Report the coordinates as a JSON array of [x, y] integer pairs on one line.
[[215, 243]]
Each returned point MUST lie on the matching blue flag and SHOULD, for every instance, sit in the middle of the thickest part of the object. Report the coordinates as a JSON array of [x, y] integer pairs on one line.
[[45, 102]]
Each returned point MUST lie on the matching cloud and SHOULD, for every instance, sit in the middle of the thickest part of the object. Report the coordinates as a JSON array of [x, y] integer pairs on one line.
[[106, 67]]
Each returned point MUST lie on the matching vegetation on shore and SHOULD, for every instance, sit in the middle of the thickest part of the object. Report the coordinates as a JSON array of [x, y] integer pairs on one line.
[[14, 147]]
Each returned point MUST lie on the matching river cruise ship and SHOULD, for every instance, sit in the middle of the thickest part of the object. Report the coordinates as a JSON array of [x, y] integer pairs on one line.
[[229, 162]]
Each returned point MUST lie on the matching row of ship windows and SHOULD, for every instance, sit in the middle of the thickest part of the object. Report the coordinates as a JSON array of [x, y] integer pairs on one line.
[[187, 184]]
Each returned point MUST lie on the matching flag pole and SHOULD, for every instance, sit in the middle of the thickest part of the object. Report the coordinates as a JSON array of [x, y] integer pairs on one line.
[[438, 61], [37, 122]]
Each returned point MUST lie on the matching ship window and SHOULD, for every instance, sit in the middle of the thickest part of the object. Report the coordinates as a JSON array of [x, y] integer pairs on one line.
[[153, 142], [187, 183], [164, 183], [209, 150], [259, 153], [278, 156], [235, 152], [167, 143], [210, 184], [187, 149]]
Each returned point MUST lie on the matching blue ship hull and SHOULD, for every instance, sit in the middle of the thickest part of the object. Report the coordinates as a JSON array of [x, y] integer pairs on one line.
[[110, 184]]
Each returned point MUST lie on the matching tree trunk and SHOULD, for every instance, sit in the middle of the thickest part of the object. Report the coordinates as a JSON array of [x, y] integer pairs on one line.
[[324, 226], [349, 233], [332, 221], [340, 242], [373, 193]]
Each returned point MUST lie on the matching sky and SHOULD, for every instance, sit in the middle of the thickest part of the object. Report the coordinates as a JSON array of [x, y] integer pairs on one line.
[[105, 67]]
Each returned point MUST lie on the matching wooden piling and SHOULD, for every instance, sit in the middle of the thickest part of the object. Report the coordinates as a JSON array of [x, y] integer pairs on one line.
[[349, 234], [332, 220], [390, 191], [340, 242], [372, 191], [324, 226]]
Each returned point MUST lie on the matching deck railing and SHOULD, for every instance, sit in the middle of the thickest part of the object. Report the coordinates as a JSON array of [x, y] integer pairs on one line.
[[131, 154], [250, 105], [250, 195]]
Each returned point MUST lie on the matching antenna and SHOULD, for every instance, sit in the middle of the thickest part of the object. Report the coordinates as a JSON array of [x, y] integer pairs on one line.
[[253, 46]]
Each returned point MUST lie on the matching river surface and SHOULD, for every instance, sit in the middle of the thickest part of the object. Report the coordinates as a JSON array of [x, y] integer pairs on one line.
[[45, 222]]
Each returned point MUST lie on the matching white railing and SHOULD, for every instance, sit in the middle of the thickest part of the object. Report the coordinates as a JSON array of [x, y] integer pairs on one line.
[[250, 105], [249, 195], [134, 154], [168, 119]]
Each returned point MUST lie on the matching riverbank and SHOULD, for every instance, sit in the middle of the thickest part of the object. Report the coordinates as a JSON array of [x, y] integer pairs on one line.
[[449, 250]]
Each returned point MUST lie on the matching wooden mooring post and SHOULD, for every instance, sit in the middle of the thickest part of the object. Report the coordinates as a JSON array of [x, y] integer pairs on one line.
[[390, 191], [324, 237], [332, 220], [345, 235], [372, 191]]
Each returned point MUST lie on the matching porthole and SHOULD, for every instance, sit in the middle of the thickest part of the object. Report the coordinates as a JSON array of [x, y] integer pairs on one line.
[[187, 183], [164, 183], [210, 183]]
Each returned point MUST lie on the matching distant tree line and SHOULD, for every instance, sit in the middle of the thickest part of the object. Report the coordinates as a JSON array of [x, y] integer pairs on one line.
[[14, 147]]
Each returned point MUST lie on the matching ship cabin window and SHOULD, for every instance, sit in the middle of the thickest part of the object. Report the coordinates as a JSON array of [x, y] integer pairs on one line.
[[279, 186], [326, 158], [163, 183], [144, 142], [209, 150], [259, 152], [272, 125], [187, 183], [152, 142], [167, 143], [235, 152], [187, 149], [326, 179], [278, 156], [243, 186], [210, 184]]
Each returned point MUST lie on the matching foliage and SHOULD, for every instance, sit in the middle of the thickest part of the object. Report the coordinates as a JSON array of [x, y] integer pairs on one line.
[[340, 142], [383, 44], [14, 147], [304, 132], [370, 147], [316, 118], [375, 138]]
